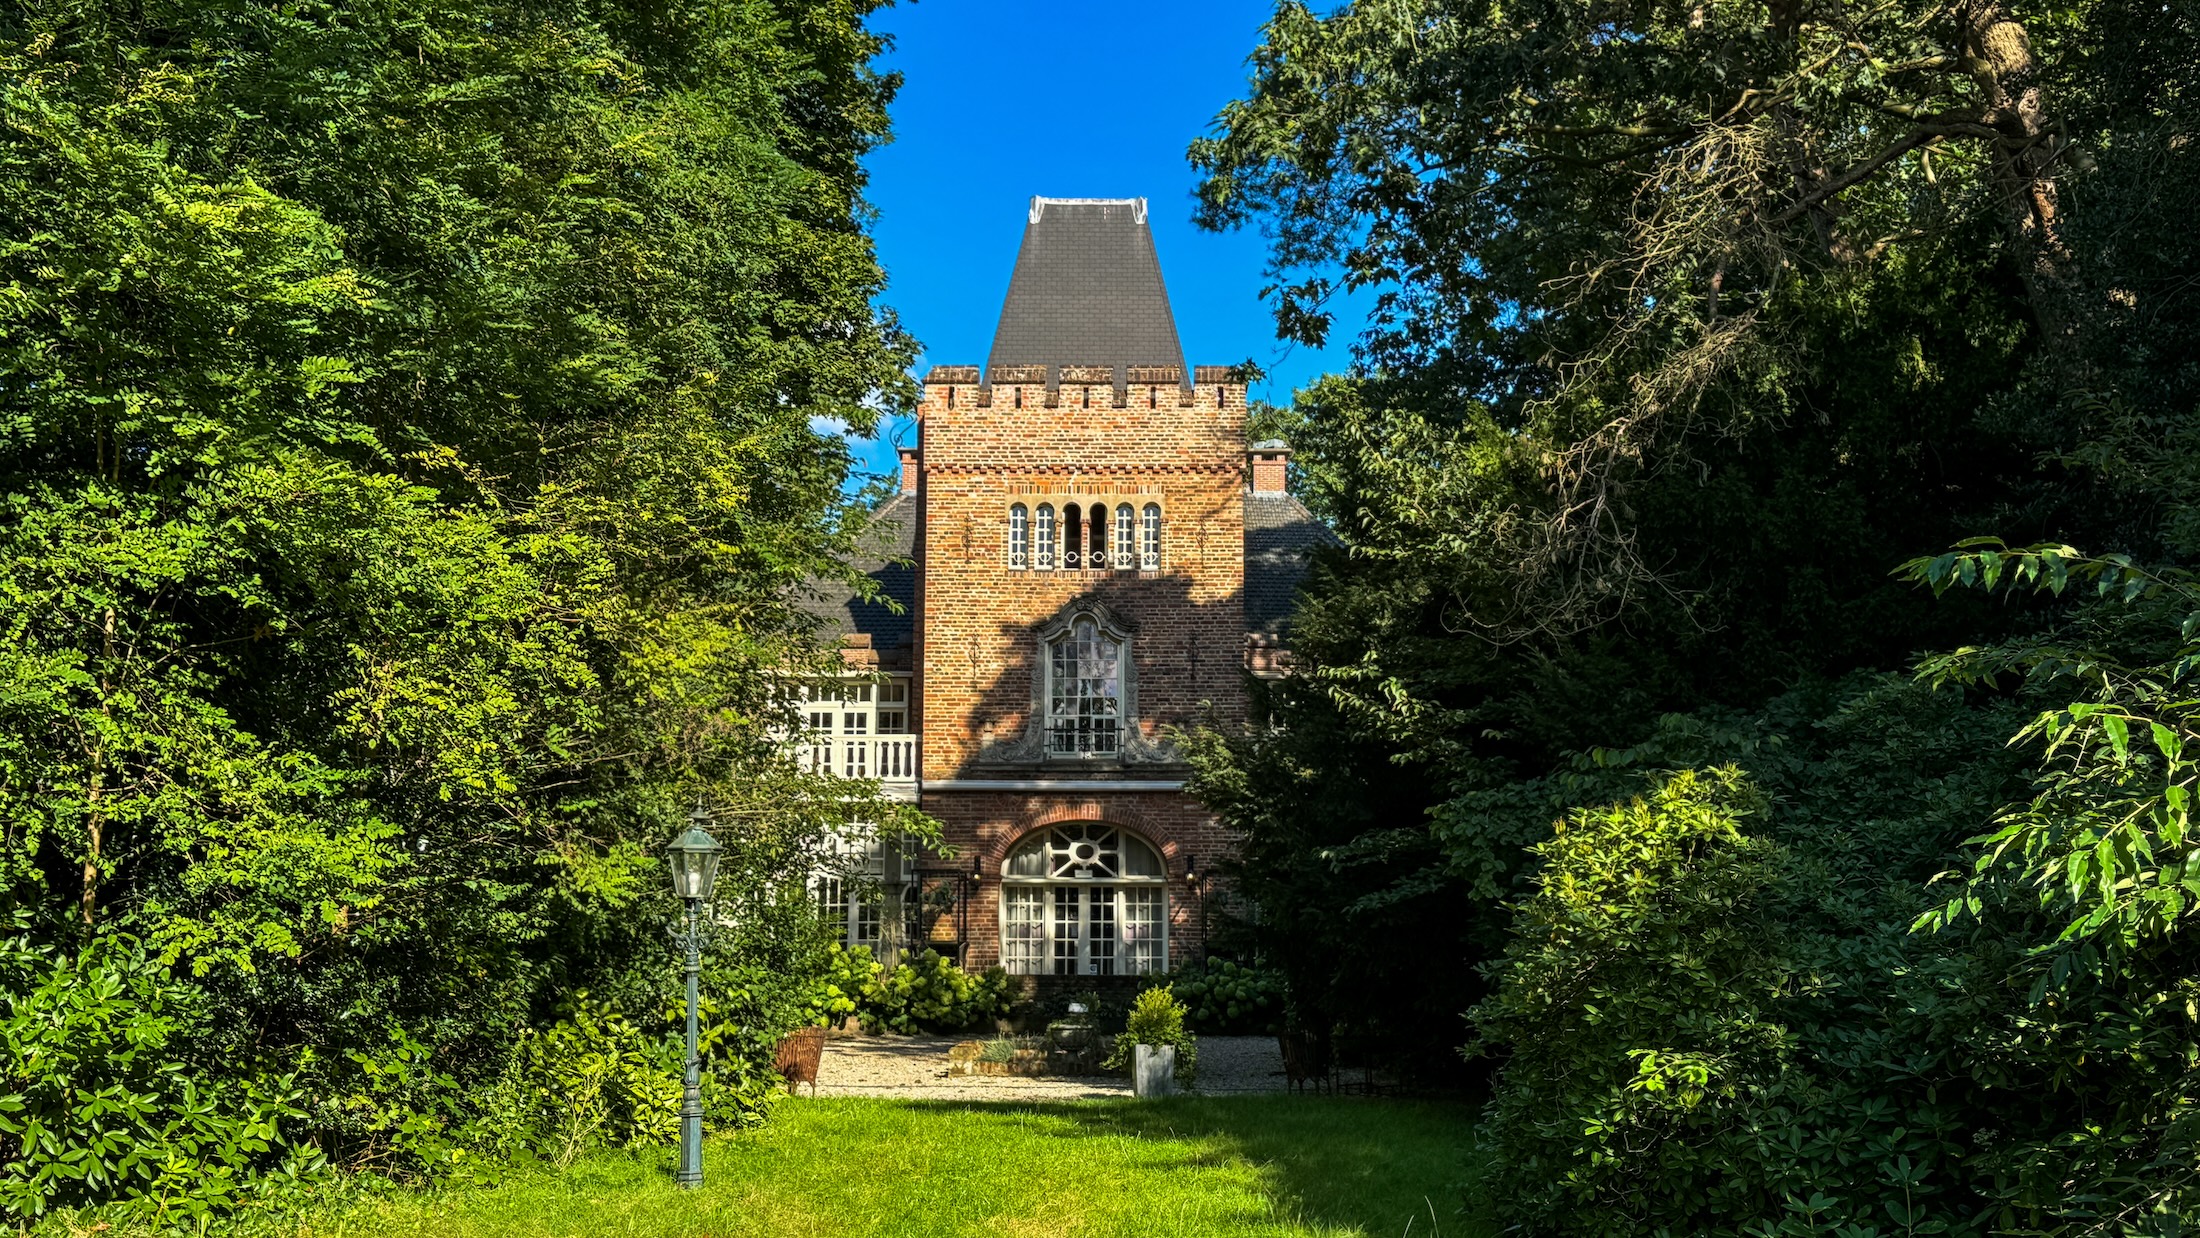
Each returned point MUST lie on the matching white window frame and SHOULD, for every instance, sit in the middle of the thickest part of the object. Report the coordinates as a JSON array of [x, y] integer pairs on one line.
[[859, 716], [853, 896], [1051, 944], [1039, 537]]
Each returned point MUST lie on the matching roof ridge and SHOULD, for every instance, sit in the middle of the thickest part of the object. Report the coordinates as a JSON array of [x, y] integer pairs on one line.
[[1039, 205]]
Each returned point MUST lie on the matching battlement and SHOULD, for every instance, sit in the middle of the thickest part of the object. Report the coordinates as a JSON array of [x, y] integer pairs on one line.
[[951, 387]]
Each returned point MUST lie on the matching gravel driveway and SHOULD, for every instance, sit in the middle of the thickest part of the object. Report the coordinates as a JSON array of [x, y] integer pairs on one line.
[[915, 1068]]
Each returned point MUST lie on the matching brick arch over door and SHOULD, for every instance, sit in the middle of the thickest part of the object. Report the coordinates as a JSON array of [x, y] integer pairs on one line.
[[1084, 897]]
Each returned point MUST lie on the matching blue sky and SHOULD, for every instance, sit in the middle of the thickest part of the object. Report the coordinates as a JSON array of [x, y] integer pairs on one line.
[[1006, 99]]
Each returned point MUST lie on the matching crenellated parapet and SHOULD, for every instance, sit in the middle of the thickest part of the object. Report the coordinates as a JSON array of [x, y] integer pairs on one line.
[[948, 388]]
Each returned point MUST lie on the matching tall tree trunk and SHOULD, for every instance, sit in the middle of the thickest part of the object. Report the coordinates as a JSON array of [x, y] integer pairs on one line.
[[1998, 55]]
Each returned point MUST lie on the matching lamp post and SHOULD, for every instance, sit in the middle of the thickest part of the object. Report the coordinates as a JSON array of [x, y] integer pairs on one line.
[[694, 859], [1195, 882]]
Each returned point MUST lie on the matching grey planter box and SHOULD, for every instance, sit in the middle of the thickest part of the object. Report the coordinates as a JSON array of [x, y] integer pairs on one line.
[[1153, 1070]]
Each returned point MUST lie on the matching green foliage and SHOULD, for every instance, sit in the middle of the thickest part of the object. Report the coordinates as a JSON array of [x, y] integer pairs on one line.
[[850, 977], [1225, 998], [1004, 1048], [1157, 1018], [98, 1105], [1692, 323], [2106, 844], [600, 1080], [923, 992], [926, 992], [407, 472]]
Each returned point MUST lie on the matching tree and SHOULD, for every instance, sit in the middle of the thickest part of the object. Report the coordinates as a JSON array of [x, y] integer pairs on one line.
[[405, 435]]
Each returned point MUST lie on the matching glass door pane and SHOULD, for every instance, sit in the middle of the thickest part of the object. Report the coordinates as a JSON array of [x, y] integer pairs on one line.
[[1100, 939], [1024, 944], [1066, 923], [1143, 929]]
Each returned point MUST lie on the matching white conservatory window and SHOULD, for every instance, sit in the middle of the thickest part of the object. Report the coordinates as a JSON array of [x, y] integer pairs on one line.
[[1084, 692], [859, 729], [1084, 900]]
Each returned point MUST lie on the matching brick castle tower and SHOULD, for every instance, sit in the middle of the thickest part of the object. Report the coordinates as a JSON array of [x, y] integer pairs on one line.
[[1088, 554]]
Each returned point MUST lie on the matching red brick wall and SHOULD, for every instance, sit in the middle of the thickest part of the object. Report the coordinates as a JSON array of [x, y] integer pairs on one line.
[[982, 453], [986, 824], [985, 449]]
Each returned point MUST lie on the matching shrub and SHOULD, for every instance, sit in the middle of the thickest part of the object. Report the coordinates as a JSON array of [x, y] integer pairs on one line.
[[924, 992], [1222, 997], [1157, 1019], [598, 1079], [96, 1107]]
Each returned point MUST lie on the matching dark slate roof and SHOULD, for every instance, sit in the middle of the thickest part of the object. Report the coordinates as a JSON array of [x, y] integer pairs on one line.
[[1087, 291], [1280, 537], [885, 557]]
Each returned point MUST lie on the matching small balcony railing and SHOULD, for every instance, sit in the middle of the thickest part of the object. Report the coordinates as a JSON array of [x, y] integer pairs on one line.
[[888, 758]]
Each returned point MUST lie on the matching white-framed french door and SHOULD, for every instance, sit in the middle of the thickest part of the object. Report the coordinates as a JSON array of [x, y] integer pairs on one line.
[[1084, 928]]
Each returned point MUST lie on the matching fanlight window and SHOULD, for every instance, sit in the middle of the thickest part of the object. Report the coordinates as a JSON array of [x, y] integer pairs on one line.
[[1084, 900], [1084, 692]]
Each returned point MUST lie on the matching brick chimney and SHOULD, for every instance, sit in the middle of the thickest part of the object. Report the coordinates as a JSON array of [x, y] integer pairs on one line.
[[909, 458], [1271, 463]]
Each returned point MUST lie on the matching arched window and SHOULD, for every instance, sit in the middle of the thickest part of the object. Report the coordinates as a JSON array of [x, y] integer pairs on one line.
[[1019, 536], [1096, 549], [1084, 899], [1126, 538], [1045, 559], [1073, 535], [1149, 553], [1084, 692]]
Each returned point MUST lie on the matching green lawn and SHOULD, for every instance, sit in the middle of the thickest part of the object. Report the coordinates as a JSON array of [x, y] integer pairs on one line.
[[1266, 1166]]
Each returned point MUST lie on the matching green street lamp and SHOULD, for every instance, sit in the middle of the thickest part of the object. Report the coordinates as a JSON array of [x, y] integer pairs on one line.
[[694, 859]]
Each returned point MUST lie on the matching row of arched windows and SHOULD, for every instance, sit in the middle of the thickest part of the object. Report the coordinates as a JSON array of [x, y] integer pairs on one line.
[[1082, 536]]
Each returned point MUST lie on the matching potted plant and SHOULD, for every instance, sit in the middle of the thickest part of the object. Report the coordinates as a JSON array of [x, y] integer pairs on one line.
[[1160, 1055]]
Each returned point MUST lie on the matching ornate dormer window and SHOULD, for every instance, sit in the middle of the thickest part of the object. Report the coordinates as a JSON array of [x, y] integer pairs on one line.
[[1084, 697], [1084, 692]]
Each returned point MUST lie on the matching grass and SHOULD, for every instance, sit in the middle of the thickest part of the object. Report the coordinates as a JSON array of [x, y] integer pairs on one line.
[[1230, 1167]]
